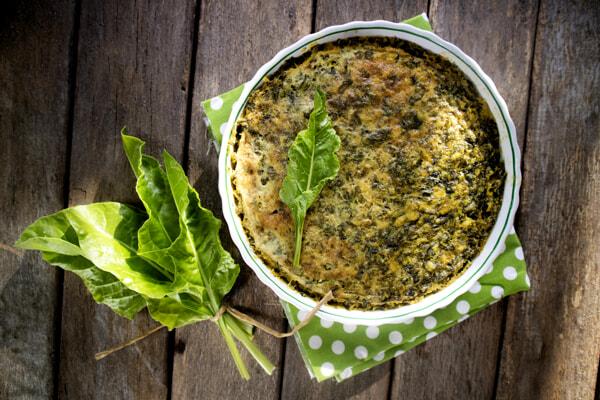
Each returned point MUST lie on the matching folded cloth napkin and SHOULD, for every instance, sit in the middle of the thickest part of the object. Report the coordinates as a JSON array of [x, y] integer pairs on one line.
[[340, 351]]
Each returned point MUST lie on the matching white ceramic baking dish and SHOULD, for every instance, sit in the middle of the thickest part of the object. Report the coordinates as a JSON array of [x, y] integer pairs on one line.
[[509, 150]]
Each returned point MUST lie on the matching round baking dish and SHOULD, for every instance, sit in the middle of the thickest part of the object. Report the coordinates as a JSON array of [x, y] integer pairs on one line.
[[509, 151]]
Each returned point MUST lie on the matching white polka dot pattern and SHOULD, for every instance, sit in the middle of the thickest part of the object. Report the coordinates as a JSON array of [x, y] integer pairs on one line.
[[476, 288], [302, 315], [509, 273], [216, 103], [519, 253], [346, 373], [327, 369], [372, 332], [395, 337], [315, 342], [463, 307], [361, 352], [338, 347], [429, 322], [497, 292], [223, 128], [326, 323]]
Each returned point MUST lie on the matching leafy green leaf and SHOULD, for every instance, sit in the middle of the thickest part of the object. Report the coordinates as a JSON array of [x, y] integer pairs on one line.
[[56, 238], [104, 287], [178, 310], [106, 235], [312, 163], [162, 226], [199, 238]]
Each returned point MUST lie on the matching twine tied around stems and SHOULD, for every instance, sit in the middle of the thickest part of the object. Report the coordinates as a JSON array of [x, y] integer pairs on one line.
[[237, 314]]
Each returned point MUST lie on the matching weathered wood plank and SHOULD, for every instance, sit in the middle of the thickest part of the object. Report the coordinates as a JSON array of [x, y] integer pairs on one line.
[[335, 12], [235, 38], [34, 70], [372, 384], [462, 362], [133, 68], [552, 340]]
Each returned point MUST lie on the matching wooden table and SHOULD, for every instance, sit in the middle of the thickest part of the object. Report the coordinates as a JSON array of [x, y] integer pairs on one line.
[[72, 73]]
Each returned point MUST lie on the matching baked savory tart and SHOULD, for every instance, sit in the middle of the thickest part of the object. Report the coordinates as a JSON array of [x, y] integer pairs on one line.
[[420, 180]]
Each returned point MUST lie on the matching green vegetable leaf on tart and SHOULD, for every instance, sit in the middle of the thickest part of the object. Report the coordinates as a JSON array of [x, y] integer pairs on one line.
[[312, 162]]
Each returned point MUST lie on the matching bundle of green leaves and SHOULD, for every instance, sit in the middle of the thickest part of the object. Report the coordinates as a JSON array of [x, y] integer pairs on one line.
[[168, 258]]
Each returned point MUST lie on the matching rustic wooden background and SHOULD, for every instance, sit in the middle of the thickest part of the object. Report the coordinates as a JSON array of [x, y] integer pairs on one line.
[[73, 72]]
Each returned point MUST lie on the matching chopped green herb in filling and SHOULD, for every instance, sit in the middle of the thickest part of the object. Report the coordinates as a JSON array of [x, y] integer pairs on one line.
[[420, 179]]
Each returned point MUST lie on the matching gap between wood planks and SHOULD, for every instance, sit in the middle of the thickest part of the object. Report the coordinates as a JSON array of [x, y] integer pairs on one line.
[[185, 164], [72, 82], [523, 173]]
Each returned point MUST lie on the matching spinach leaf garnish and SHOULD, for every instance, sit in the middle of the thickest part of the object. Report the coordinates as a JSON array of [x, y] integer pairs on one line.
[[312, 162]]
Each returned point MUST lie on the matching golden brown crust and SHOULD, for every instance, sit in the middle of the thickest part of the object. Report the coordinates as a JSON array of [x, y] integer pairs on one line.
[[420, 180]]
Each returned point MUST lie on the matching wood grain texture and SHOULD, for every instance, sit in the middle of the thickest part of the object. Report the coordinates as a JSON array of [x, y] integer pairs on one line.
[[374, 383], [235, 38], [552, 341], [133, 68], [463, 361], [34, 70], [335, 12]]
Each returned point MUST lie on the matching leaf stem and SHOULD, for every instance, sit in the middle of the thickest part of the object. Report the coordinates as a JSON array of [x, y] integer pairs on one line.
[[237, 358], [298, 246], [243, 336]]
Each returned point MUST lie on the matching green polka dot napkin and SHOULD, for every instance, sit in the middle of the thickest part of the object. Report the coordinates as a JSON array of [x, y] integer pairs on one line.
[[340, 351], [332, 349]]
